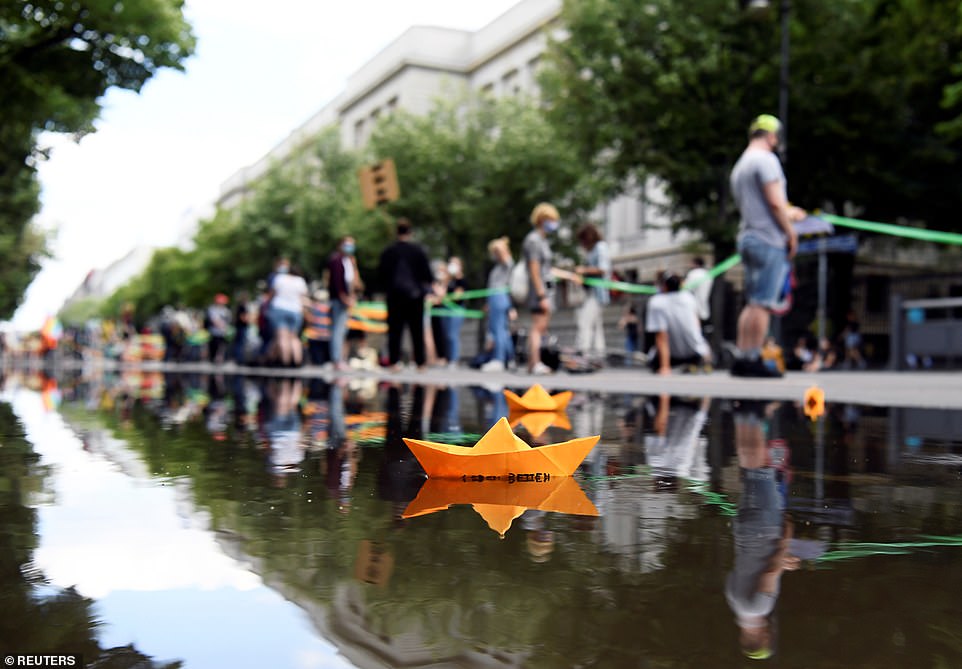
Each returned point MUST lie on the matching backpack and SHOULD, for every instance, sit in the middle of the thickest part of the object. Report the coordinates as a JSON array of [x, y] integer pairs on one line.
[[518, 283]]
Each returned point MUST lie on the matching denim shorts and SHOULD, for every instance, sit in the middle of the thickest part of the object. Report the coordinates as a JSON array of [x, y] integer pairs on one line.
[[766, 268], [288, 320]]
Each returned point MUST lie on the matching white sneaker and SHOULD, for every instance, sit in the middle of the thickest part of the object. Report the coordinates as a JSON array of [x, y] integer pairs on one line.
[[540, 369], [493, 366]]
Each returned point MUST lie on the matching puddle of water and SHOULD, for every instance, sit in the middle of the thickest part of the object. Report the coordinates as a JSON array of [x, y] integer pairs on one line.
[[246, 522]]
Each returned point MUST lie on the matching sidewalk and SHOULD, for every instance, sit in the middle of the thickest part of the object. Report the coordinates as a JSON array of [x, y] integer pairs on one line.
[[938, 390]]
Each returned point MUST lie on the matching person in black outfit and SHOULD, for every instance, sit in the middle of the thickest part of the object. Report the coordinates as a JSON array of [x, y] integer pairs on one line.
[[405, 273]]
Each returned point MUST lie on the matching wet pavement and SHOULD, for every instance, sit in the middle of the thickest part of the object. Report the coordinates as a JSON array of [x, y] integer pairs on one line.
[[228, 520]]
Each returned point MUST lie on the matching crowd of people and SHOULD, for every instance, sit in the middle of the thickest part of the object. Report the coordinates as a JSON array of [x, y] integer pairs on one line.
[[292, 321]]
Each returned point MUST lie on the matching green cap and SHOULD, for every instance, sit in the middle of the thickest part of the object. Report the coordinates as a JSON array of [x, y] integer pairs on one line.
[[761, 653], [765, 122]]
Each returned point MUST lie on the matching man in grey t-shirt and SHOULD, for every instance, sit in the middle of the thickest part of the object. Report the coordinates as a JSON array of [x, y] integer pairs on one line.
[[766, 240]]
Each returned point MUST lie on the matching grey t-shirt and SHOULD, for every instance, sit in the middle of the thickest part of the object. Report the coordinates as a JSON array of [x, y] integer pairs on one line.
[[536, 247], [754, 169], [677, 314], [500, 275]]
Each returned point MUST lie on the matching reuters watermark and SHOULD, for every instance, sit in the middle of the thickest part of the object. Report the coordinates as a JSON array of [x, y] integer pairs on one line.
[[37, 660]]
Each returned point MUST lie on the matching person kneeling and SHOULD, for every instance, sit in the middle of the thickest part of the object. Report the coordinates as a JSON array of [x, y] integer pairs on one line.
[[673, 317]]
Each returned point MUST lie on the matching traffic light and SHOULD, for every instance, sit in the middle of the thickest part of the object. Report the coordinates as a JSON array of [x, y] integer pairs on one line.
[[378, 183]]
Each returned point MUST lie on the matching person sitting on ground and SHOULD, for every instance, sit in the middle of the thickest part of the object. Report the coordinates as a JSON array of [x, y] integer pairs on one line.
[[803, 356], [673, 318]]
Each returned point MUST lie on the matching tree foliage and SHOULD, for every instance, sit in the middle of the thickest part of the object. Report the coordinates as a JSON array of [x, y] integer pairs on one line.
[[472, 170], [469, 171], [668, 87], [57, 58]]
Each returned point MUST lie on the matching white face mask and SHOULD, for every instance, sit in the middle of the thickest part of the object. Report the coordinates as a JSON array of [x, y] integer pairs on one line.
[[551, 226], [454, 269]]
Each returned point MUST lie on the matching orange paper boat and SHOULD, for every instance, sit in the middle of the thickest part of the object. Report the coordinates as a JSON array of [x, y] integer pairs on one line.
[[536, 422], [500, 502], [537, 398], [500, 455]]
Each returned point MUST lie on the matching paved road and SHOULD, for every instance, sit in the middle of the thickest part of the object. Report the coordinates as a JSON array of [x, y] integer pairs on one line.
[[877, 388]]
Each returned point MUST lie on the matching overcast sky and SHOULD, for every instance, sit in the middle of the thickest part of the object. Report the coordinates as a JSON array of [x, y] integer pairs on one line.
[[260, 70]]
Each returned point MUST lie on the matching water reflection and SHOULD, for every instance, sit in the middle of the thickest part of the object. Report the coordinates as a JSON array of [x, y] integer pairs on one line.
[[291, 495]]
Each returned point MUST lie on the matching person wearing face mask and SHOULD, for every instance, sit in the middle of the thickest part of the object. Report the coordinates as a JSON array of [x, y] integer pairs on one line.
[[537, 253], [452, 324], [343, 283]]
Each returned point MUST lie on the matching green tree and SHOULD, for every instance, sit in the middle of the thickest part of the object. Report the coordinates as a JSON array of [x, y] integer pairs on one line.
[[667, 88], [472, 170], [57, 59]]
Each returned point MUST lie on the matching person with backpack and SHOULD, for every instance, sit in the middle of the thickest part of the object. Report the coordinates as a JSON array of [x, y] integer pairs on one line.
[[500, 309], [537, 253]]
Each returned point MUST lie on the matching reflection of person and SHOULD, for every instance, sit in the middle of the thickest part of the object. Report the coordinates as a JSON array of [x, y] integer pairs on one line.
[[538, 539], [676, 449], [673, 317], [284, 428], [767, 240], [597, 265], [342, 451], [762, 535], [405, 274], [545, 221]]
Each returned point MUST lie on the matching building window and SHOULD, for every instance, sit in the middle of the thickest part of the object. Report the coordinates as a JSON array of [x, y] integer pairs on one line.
[[392, 104], [359, 133], [510, 84]]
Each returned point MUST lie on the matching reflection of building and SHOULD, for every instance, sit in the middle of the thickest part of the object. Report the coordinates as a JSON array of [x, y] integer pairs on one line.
[[500, 59]]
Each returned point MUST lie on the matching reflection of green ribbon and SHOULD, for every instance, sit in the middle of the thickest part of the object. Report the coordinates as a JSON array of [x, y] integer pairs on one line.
[[713, 498], [853, 550], [895, 230]]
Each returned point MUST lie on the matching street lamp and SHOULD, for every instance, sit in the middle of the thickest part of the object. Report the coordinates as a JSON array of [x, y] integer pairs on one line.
[[759, 8]]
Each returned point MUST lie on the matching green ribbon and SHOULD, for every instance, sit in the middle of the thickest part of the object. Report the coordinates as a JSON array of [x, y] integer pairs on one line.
[[621, 286], [908, 232], [853, 550], [479, 292]]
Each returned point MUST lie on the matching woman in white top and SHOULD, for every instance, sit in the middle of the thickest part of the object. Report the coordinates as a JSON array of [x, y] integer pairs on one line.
[[288, 291]]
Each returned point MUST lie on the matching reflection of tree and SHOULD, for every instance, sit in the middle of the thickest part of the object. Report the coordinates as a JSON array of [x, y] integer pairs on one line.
[[38, 618]]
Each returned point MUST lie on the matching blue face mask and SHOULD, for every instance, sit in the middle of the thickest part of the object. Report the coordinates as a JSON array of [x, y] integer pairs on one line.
[[551, 226], [348, 248], [283, 269]]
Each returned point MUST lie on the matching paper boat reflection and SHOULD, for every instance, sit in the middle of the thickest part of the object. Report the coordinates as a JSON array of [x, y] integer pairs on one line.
[[500, 455], [537, 398], [500, 502], [536, 422]]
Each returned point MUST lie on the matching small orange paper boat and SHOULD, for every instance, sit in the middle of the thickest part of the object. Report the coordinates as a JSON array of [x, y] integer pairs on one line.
[[537, 398], [536, 422], [500, 502], [500, 455]]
